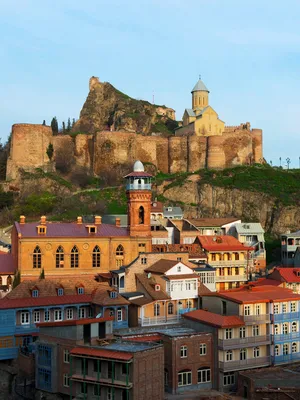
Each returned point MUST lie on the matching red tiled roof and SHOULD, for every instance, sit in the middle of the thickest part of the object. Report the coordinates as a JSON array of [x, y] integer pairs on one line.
[[6, 264], [220, 321], [144, 338], [69, 229], [149, 286], [181, 276], [266, 281], [139, 174], [6, 303], [202, 289], [83, 321], [222, 243], [103, 353], [158, 207], [162, 266], [286, 274]]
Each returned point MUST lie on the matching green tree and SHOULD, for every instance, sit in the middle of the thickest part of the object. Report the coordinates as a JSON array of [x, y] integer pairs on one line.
[[44, 122], [73, 122], [50, 151], [54, 126], [42, 274], [69, 125], [17, 280], [63, 127]]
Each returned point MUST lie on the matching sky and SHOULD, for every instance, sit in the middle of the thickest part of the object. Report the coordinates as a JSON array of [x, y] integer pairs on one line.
[[247, 52]]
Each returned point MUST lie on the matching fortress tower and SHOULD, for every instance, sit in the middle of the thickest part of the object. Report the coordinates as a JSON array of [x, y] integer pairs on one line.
[[138, 191]]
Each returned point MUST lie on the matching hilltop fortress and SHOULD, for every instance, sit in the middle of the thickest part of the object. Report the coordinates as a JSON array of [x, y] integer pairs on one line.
[[115, 134]]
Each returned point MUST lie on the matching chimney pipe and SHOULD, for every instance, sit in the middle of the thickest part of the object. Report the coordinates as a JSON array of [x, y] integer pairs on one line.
[[98, 220], [118, 221], [43, 219], [22, 219], [79, 220]]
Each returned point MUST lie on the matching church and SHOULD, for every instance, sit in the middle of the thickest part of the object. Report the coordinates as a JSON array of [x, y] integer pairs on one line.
[[77, 248]]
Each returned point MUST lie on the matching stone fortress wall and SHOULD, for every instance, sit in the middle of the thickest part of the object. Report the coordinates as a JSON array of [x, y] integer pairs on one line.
[[236, 146]]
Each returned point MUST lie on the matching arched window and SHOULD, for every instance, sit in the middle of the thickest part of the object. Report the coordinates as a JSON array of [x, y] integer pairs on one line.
[[276, 329], [59, 258], [74, 257], [156, 310], [96, 257], [294, 347], [37, 257], [277, 350], [141, 215], [285, 349], [170, 308], [119, 256], [8, 280], [294, 326]]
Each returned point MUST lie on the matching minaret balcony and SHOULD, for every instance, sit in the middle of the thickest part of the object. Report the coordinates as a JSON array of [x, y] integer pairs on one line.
[[138, 186]]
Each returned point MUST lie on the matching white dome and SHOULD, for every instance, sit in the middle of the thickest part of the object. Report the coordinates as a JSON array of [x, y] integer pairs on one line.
[[138, 166]]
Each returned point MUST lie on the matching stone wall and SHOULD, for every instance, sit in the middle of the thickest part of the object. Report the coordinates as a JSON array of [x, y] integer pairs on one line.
[[105, 150]]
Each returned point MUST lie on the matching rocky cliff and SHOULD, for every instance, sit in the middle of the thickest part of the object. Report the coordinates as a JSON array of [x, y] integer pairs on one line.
[[106, 108]]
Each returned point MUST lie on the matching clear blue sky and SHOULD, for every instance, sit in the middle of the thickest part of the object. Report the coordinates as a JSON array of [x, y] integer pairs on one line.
[[247, 51]]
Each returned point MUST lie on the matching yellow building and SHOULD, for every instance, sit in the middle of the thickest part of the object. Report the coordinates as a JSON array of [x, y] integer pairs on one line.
[[78, 248], [201, 119]]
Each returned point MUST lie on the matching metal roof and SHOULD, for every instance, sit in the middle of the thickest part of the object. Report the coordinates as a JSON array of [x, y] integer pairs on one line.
[[174, 211], [200, 86], [249, 227], [190, 112]]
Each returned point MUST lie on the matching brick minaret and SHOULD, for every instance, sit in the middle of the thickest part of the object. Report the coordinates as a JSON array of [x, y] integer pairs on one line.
[[138, 191]]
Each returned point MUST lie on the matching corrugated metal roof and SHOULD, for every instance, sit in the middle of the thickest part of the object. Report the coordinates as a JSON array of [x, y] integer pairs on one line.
[[200, 86], [93, 352], [249, 227], [6, 264], [190, 112], [176, 211], [83, 321]]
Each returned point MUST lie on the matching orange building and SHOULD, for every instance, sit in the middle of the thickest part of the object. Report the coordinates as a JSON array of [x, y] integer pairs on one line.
[[76, 249]]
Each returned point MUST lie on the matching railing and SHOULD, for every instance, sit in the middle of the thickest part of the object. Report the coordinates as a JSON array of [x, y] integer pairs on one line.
[[286, 316], [144, 186], [231, 278], [285, 358], [221, 263], [230, 343], [256, 318], [282, 337], [147, 321], [244, 364], [185, 310]]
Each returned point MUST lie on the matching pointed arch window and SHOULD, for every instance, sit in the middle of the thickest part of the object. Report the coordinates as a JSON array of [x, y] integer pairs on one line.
[[119, 256], [59, 257], [141, 215], [74, 257], [96, 257], [37, 258]]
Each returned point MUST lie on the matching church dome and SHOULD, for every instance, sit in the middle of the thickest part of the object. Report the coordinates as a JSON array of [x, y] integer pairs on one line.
[[138, 166], [200, 87]]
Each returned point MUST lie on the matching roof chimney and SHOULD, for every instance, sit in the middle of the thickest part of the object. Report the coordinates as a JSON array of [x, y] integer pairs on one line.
[[118, 221], [79, 220], [98, 220], [22, 219], [43, 219]]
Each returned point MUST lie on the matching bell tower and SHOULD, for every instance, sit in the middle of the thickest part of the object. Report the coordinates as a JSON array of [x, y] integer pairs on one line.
[[138, 192], [200, 96]]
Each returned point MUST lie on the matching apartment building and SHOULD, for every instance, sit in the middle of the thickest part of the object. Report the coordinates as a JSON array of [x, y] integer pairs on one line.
[[289, 245], [282, 277]]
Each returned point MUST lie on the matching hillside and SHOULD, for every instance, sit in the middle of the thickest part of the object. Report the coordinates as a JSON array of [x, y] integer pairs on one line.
[[106, 107]]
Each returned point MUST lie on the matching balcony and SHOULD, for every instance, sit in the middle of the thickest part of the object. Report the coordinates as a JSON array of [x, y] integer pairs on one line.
[[144, 186], [286, 358], [147, 321], [26, 329], [230, 263], [106, 381], [244, 364], [227, 344], [256, 318], [293, 316], [288, 336], [231, 278]]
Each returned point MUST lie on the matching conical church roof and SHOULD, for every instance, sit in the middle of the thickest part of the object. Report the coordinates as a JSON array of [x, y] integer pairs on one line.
[[200, 86]]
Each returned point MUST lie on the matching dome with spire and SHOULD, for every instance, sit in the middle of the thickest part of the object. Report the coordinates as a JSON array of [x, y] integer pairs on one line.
[[138, 166], [200, 87]]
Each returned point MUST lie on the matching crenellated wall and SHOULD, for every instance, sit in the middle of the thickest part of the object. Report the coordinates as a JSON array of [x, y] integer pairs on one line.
[[105, 150]]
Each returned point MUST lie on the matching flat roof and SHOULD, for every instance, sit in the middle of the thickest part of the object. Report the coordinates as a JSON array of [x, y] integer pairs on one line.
[[130, 347], [276, 377]]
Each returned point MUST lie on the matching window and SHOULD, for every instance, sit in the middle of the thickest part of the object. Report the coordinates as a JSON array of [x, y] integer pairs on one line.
[[284, 307], [178, 268], [224, 307], [113, 295], [294, 347], [119, 315], [142, 247], [229, 355], [285, 328], [184, 378], [97, 365], [202, 349], [242, 332], [179, 258], [276, 308], [111, 313], [170, 308], [66, 356], [156, 310], [256, 352], [46, 316], [293, 306], [141, 215], [294, 326], [66, 380], [294, 286], [257, 309], [109, 393], [255, 330], [228, 378], [36, 316], [80, 290], [41, 229], [144, 260], [37, 258], [81, 312], [59, 257], [228, 333], [35, 293], [69, 313], [60, 292], [96, 257], [97, 390], [83, 388], [285, 349], [119, 256], [74, 257], [276, 350], [183, 351], [57, 315], [246, 310], [25, 318], [243, 354], [204, 375], [276, 329], [189, 304]]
